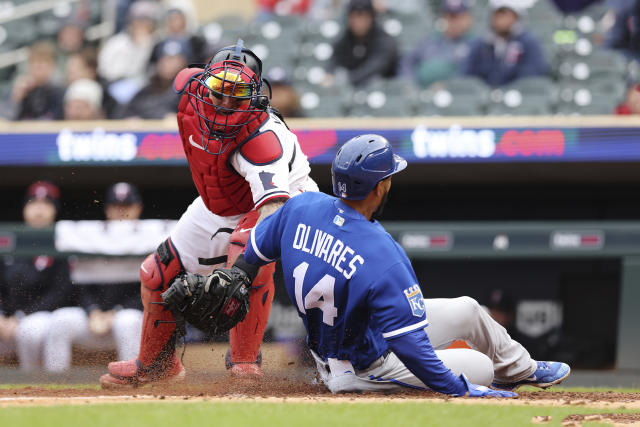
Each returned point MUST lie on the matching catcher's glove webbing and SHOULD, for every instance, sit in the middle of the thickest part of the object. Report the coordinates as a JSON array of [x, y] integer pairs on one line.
[[214, 303]]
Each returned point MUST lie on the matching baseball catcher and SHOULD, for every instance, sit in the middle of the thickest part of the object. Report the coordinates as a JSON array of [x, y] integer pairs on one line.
[[245, 163]]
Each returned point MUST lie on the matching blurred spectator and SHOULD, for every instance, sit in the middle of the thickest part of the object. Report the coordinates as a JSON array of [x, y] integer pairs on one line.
[[158, 99], [624, 33], [631, 104], [441, 55], [124, 57], [282, 7], [365, 51], [70, 40], [83, 100], [508, 52], [84, 65], [180, 23], [36, 95], [30, 288], [122, 201], [284, 96], [109, 316]]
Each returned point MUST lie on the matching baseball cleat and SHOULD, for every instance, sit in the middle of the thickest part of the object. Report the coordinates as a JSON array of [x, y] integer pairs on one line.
[[247, 371], [130, 374], [547, 374]]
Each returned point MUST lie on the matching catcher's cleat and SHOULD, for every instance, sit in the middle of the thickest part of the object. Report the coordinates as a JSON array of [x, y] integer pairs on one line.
[[131, 374], [249, 371], [546, 375]]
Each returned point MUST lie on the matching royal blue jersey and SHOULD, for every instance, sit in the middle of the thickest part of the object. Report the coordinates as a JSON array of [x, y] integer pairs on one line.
[[352, 284]]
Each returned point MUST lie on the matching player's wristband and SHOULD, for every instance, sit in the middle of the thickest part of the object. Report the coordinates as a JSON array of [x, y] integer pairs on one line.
[[250, 269]]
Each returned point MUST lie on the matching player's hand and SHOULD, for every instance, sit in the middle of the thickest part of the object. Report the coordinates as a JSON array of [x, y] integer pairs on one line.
[[475, 390]]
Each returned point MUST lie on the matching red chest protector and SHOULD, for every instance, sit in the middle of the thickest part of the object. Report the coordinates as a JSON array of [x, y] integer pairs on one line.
[[223, 190]]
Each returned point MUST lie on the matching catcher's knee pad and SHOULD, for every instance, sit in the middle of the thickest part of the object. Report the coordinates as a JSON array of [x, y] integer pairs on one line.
[[158, 340], [246, 336]]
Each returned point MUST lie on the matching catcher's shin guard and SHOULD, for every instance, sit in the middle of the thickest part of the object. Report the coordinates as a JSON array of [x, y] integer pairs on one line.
[[246, 336], [158, 340]]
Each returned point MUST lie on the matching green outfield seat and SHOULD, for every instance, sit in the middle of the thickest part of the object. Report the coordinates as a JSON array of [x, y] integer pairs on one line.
[[531, 105], [379, 104], [319, 102]]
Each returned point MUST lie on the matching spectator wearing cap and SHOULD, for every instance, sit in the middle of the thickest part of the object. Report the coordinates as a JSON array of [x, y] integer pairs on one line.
[[179, 22], [123, 59], [284, 96], [442, 54], [508, 52], [36, 94], [32, 287], [157, 99], [83, 100], [122, 202], [365, 50], [109, 315]]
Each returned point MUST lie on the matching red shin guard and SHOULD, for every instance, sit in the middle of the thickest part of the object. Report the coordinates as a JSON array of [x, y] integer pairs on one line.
[[245, 338], [158, 340]]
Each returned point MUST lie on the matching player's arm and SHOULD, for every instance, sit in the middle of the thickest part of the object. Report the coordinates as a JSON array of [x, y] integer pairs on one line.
[[264, 163], [263, 246], [269, 207]]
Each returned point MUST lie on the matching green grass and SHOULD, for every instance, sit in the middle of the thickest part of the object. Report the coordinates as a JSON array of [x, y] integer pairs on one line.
[[266, 414]]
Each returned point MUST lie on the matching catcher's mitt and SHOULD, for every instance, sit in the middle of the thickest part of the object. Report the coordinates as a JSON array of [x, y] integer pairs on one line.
[[214, 303]]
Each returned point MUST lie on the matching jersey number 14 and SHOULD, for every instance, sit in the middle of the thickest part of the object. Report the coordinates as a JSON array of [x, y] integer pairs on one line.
[[320, 296]]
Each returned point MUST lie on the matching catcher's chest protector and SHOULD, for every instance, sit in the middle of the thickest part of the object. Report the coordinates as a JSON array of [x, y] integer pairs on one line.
[[223, 191]]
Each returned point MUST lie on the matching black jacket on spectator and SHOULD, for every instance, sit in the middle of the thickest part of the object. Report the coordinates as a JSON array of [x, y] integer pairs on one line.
[[376, 56], [42, 103], [40, 283], [153, 101]]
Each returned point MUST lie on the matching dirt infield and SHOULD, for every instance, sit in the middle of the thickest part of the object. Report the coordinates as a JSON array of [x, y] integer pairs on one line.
[[286, 389]]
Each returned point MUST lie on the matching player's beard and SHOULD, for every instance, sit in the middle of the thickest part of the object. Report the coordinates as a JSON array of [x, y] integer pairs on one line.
[[378, 212]]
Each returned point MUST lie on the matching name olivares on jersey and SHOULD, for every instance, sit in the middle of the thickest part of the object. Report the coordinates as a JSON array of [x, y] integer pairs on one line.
[[326, 247]]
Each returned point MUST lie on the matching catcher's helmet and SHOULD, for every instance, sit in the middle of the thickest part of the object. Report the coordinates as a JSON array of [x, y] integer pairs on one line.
[[227, 95], [361, 163]]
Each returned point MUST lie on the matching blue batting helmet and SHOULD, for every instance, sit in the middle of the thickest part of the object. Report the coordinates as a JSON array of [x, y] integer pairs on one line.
[[361, 163]]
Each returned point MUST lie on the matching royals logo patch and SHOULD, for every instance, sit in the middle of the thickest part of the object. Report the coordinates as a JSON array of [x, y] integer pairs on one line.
[[416, 302]]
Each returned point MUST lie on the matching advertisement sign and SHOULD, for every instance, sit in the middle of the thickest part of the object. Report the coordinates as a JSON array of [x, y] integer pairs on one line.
[[421, 144]]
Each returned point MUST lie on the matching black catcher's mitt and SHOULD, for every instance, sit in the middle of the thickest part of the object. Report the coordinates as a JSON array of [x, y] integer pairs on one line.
[[214, 303]]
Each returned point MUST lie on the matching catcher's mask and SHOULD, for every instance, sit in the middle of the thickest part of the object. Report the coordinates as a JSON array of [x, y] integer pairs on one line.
[[227, 95]]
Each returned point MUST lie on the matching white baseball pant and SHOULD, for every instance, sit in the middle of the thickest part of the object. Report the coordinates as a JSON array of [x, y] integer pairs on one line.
[[493, 354]]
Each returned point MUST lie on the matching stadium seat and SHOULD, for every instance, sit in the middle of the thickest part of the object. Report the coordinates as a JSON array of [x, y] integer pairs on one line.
[[596, 97], [460, 96], [323, 102], [602, 63], [377, 103]]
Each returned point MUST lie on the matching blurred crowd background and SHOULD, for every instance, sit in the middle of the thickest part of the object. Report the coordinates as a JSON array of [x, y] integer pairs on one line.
[[115, 59]]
